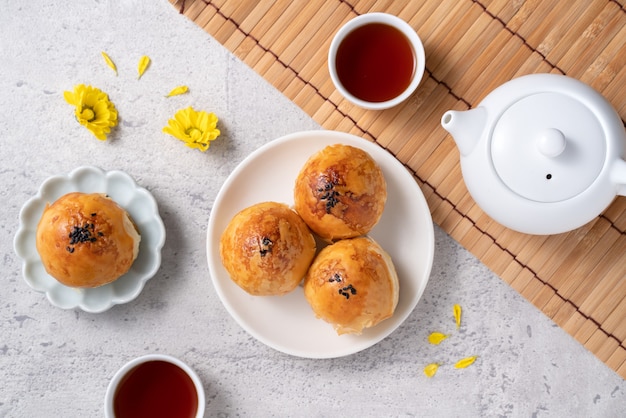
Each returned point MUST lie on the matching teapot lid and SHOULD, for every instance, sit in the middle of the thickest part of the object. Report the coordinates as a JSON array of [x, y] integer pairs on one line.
[[548, 146]]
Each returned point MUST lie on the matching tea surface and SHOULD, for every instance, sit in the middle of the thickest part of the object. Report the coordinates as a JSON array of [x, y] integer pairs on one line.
[[375, 62], [156, 389]]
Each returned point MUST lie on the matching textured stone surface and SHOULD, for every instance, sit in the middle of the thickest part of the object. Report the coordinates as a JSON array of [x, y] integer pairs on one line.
[[58, 363]]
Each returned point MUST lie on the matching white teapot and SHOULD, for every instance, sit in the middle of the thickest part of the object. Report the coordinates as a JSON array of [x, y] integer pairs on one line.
[[541, 154]]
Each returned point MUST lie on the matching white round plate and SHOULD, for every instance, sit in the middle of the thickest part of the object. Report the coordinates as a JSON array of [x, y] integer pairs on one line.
[[287, 323], [122, 189]]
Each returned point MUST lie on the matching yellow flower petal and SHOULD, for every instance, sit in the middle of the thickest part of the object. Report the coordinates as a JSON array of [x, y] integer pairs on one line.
[[436, 338], [177, 91], [69, 97], [109, 61], [431, 369], [144, 62], [456, 309], [465, 362]]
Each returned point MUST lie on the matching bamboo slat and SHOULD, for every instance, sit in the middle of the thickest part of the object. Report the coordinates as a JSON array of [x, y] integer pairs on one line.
[[543, 298], [204, 16], [578, 279], [617, 358], [532, 289]]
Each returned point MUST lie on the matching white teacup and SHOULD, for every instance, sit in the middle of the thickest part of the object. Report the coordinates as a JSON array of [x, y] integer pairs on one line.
[[415, 43], [147, 367]]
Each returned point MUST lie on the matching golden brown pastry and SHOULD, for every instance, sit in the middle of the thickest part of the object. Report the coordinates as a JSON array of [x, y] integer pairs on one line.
[[86, 240], [340, 192], [267, 248], [352, 284]]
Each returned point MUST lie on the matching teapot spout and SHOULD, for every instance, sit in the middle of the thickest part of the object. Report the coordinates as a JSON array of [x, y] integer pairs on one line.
[[618, 176], [466, 127]]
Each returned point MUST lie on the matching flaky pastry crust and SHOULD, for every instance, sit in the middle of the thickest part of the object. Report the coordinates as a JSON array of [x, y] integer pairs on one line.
[[340, 192], [86, 240], [266, 249], [352, 284]]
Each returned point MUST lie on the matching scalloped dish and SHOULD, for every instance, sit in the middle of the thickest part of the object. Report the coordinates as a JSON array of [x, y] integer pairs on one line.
[[136, 200], [287, 323]]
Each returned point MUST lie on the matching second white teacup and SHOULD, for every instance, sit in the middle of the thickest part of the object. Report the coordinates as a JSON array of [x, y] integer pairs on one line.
[[155, 385]]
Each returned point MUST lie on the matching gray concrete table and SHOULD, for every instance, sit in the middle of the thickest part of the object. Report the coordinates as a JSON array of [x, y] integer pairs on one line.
[[56, 362]]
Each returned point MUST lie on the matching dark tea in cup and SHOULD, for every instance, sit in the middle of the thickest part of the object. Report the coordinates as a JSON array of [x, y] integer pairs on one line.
[[375, 62], [155, 385], [156, 388]]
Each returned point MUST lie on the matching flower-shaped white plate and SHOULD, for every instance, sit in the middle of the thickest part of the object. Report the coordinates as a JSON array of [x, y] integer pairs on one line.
[[287, 323], [142, 208]]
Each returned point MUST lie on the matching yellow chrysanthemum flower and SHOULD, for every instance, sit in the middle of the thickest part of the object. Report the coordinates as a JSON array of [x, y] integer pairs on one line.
[[195, 128], [93, 109]]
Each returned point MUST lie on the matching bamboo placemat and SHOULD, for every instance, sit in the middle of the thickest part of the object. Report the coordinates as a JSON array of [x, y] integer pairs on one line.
[[579, 278]]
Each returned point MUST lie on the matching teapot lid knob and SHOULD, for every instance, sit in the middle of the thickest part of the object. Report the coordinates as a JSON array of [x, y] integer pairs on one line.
[[551, 142]]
